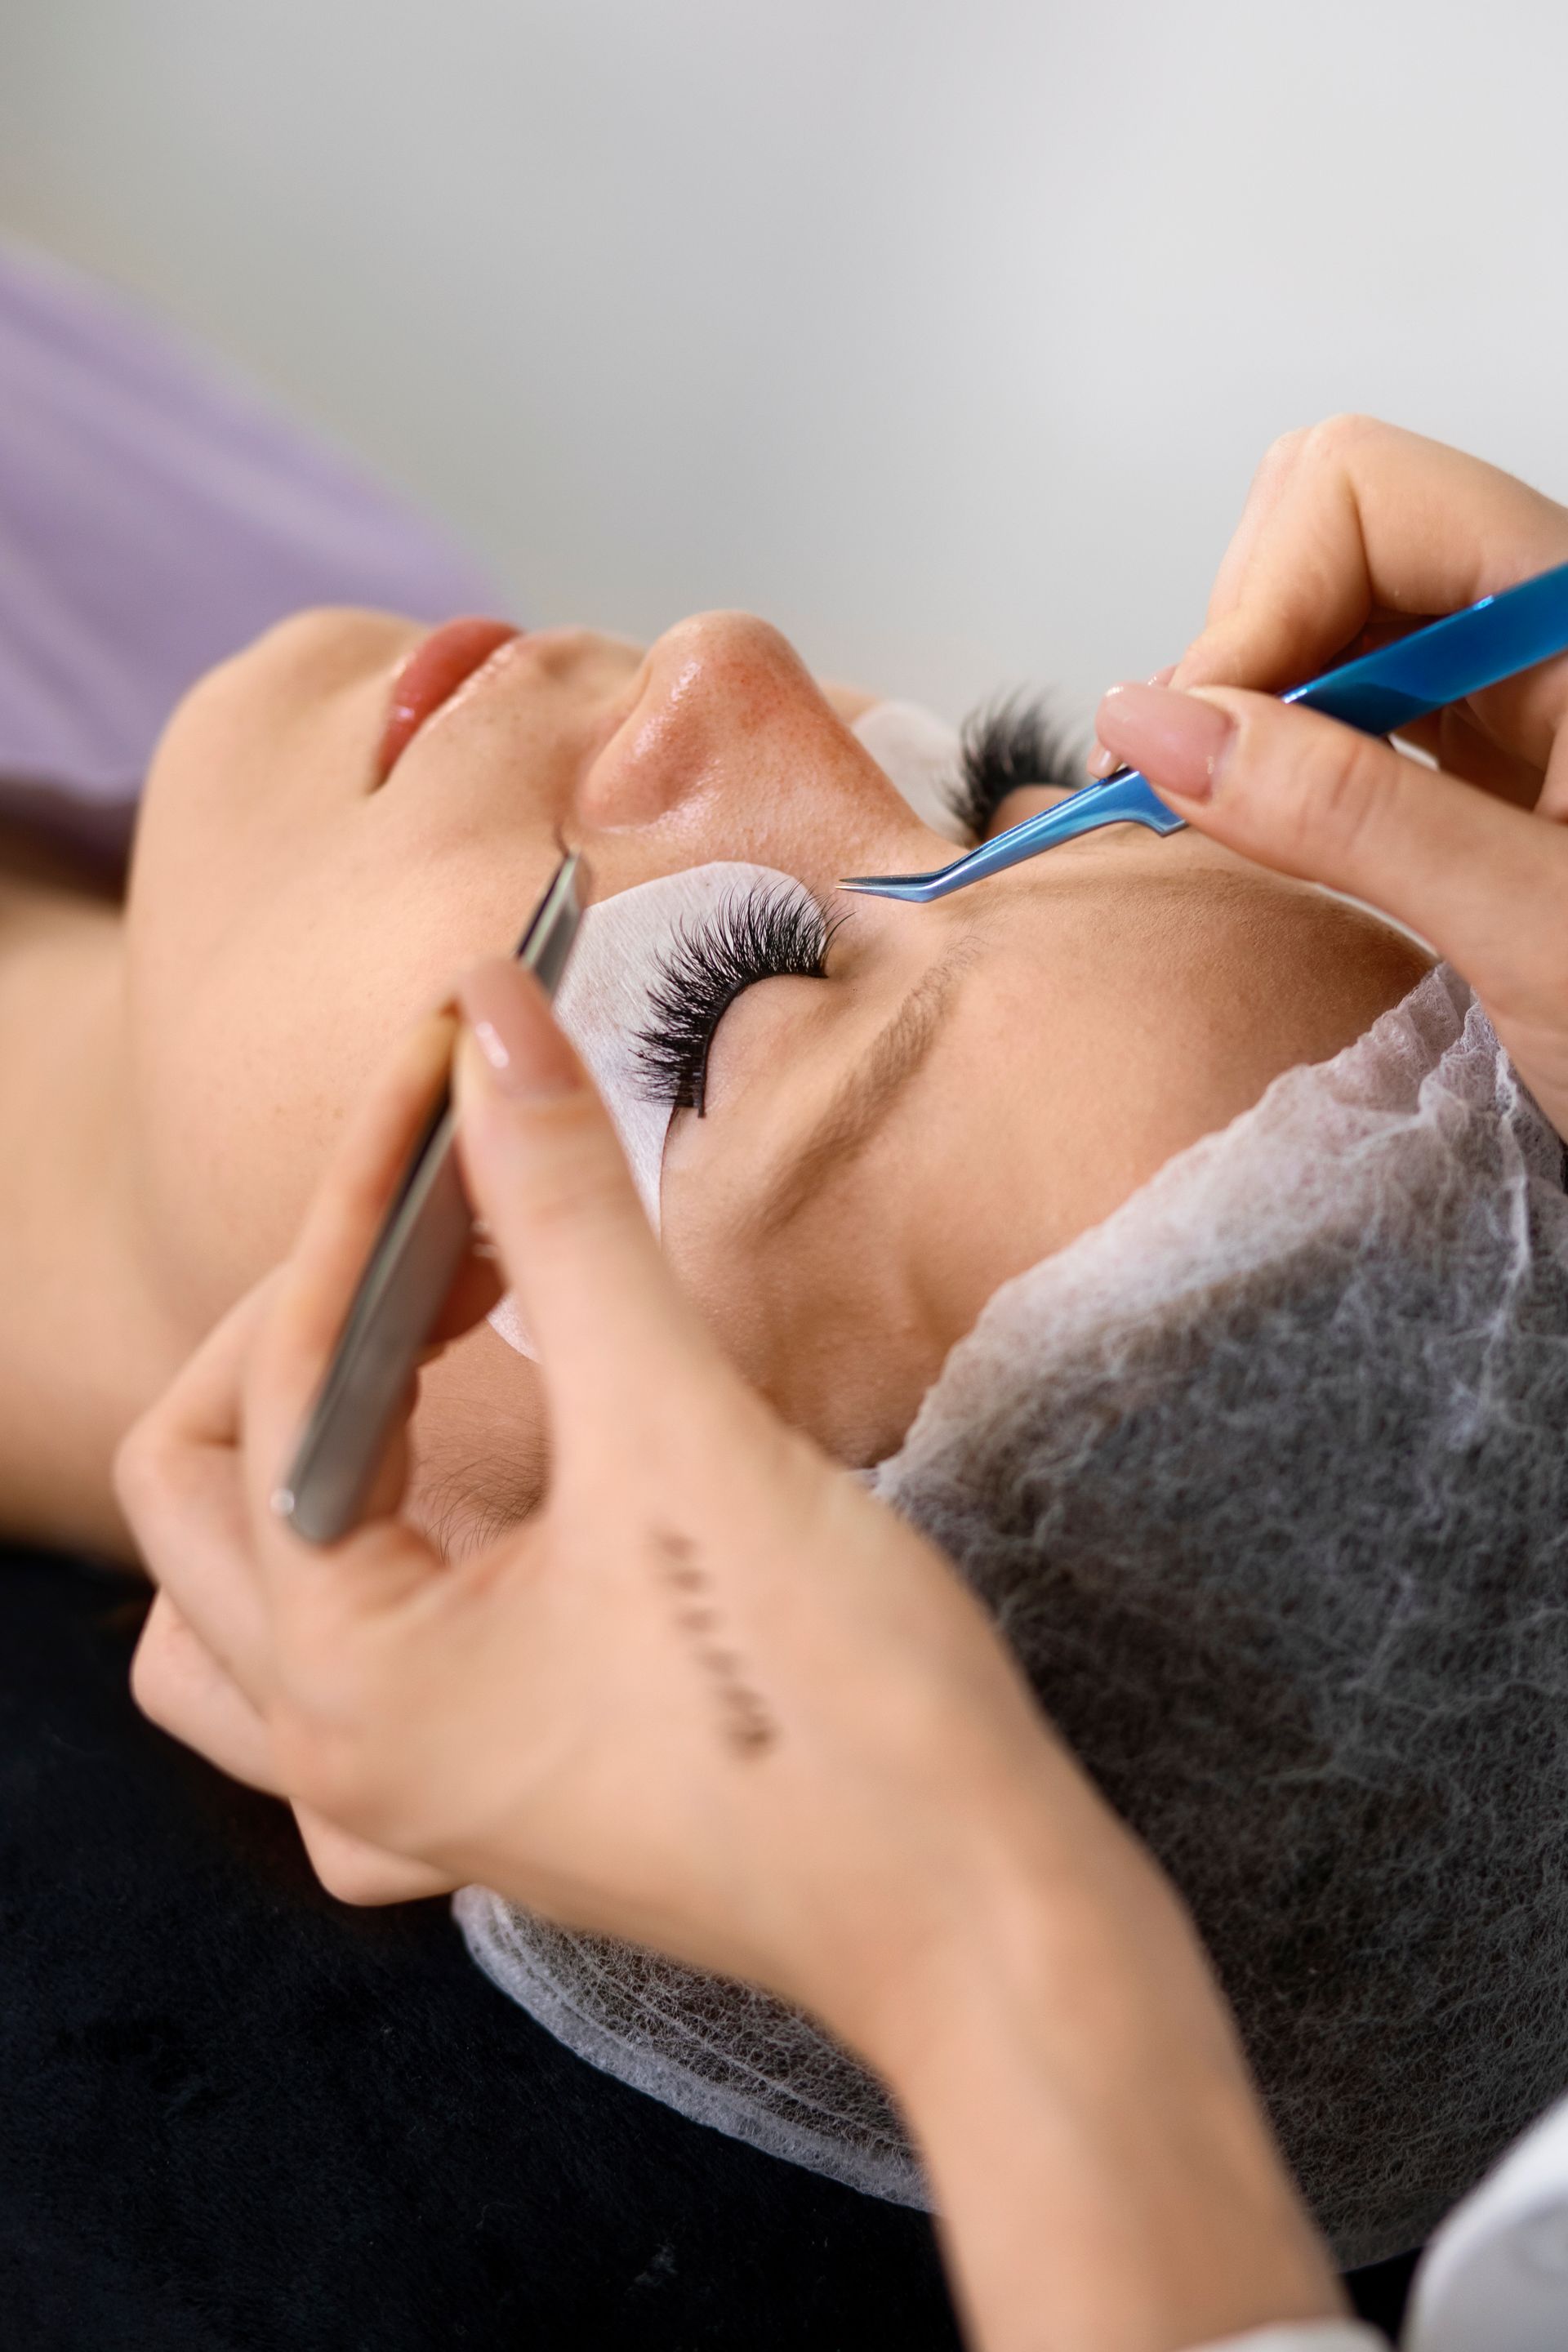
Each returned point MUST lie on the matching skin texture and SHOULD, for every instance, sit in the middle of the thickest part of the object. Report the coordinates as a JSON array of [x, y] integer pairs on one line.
[[289, 915]]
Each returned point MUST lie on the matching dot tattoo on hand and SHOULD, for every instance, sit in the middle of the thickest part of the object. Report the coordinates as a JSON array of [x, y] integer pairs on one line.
[[746, 1723]]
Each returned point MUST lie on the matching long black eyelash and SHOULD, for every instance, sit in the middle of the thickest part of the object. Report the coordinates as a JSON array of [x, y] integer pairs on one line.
[[756, 935], [1009, 744]]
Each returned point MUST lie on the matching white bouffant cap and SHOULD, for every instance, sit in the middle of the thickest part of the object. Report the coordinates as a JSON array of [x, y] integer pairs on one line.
[[1265, 1480]]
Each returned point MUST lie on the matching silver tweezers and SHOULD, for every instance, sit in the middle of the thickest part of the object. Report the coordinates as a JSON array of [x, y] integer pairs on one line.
[[405, 1282]]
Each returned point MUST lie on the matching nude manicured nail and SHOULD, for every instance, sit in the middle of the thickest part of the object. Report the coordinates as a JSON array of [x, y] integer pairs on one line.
[[524, 1052], [1176, 740], [1102, 762]]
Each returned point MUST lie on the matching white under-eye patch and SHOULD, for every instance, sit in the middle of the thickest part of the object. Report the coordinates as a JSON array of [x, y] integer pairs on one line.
[[922, 755], [607, 1001]]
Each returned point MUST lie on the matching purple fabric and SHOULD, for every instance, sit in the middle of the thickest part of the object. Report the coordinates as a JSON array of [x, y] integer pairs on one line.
[[153, 516]]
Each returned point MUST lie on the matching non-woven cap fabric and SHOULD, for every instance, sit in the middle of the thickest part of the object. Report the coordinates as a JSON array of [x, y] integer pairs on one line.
[[1423, 1108]]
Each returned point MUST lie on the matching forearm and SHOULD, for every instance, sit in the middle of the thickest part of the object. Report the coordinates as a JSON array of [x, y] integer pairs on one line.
[[1113, 2186]]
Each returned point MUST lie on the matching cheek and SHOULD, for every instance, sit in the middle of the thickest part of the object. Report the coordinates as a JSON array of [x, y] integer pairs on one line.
[[245, 1067], [260, 781], [235, 1113], [281, 929], [826, 1320], [246, 1062]]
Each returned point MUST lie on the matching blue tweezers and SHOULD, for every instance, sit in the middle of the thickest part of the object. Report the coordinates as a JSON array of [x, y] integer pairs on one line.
[[1380, 693]]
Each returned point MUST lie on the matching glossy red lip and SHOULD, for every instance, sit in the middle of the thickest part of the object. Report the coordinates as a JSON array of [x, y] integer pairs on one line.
[[431, 676]]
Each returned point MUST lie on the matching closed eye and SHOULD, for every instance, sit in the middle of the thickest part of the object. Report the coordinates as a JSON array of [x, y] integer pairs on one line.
[[778, 933], [1013, 745]]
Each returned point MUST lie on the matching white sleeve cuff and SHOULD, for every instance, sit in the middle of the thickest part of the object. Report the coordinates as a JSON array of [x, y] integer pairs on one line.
[[1305, 2336]]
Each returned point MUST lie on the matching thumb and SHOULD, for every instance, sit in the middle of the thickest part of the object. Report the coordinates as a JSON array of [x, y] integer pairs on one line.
[[544, 1168], [1485, 883]]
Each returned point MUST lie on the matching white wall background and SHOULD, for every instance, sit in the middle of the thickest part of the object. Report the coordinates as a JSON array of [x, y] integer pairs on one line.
[[947, 336]]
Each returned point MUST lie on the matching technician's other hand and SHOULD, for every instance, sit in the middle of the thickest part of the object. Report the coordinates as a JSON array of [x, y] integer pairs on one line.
[[1354, 531], [710, 1695]]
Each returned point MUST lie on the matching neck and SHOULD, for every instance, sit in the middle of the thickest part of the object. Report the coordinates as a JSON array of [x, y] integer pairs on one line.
[[84, 1347]]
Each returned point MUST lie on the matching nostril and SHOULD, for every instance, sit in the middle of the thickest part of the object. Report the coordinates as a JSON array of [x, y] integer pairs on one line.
[[641, 774], [728, 744]]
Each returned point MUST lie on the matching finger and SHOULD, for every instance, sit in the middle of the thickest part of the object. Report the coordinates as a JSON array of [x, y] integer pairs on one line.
[[546, 1170], [316, 1285], [364, 1874], [182, 1687], [1102, 762], [1265, 492], [1486, 884], [202, 1404], [1367, 519], [348, 1208], [179, 1479], [1457, 742]]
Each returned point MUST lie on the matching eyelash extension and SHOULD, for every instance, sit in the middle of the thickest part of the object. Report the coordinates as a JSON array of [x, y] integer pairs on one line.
[[1009, 744], [771, 934]]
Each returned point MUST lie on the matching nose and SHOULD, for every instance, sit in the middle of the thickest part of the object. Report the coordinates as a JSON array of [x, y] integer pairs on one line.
[[730, 751]]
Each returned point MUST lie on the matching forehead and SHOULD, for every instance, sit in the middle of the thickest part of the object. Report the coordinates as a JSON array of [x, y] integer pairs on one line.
[[1107, 1019]]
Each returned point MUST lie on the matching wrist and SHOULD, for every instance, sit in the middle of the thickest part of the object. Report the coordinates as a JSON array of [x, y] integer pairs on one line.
[[1073, 2080]]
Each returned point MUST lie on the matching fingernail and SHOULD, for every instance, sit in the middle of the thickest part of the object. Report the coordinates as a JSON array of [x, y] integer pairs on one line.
[[1102, 762], [1176, 739], [524, 1052]]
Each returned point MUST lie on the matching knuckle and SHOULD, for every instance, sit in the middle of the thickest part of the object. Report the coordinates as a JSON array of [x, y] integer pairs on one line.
[[1331, 441], [583, 1175], [141, 1471], [340, 1868], [1339, 794], [349, 1870], [325, 1770], [150, 1682], [129, 1469], [1281, 456], [325, 1736], [339, 1878]]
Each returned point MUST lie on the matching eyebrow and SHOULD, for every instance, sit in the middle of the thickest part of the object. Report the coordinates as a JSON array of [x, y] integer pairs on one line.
[[863, 1099]]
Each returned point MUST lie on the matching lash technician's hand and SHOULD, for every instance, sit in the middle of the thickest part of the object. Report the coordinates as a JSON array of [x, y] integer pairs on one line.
[[714, 1697], [1354, 531]]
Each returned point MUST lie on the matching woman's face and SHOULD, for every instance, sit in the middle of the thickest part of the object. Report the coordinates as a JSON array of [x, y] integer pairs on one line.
[[972, 1084]]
